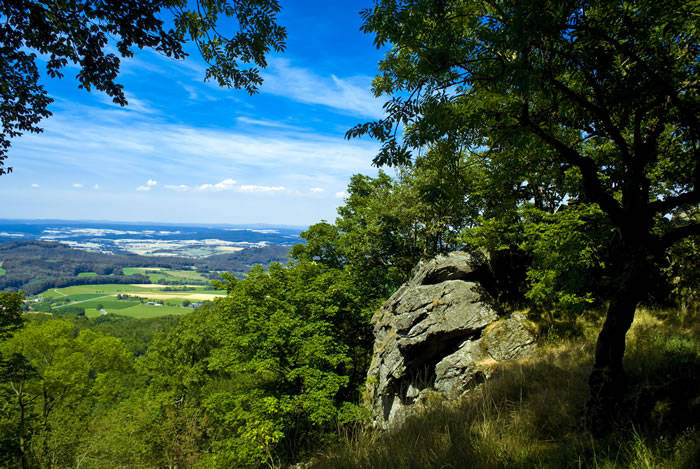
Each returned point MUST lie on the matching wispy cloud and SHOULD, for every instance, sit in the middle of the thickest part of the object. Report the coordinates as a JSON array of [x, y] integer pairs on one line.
[[35, 185], [135, 104], [225, 185], [78, 185], [191, 90], [253, 188], [341, 195], [178, 188], [96, 186], [266, 123], [351, 95], [127, 149], [316, 189], [133, 145]]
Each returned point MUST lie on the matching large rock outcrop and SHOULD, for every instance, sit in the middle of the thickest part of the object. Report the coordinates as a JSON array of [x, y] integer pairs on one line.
[[438, 334]]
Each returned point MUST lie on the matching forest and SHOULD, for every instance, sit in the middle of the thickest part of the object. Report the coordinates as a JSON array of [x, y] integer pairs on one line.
[[558, 139]]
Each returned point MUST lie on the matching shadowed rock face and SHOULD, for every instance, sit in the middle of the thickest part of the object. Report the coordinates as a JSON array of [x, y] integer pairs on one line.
[[438, 334]]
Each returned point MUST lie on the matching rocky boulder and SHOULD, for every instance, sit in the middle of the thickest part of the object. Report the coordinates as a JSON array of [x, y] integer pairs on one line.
[[438, 335]]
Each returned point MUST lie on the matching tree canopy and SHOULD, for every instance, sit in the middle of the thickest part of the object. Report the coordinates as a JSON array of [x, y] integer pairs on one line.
[[83, 33]]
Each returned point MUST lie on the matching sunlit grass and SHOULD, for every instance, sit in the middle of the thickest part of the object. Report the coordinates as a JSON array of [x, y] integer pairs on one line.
[[531, 413]]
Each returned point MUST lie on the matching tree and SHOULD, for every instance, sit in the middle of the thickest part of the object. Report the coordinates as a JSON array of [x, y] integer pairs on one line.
[[57, 381], [13, 368], [10, 313], [81, 31], [603, 94], [271, 371]]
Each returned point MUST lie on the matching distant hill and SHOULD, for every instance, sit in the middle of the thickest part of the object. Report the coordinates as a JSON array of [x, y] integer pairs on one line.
[[34, 266]]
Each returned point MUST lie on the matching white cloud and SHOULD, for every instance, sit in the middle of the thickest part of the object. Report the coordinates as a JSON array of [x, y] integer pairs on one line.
[[147, 187], [177, 188], [225, 185], [96, 186], [341, 195], [35, 185], [253, 188], [138, 145], [77, 186], [352, 95], [90, 143], [316, 189]]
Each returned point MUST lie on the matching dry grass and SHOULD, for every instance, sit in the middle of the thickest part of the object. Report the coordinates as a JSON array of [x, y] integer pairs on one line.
[[530, 413]]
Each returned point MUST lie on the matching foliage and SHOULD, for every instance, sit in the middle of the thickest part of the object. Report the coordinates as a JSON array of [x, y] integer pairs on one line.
[[82, 32], [10, 313], [683, 270], [388, 224], [65, 377], [567, 275], [269, 366], [136, 334]]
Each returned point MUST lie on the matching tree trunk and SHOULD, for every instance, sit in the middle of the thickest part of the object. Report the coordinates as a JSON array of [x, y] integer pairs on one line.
[[47, 462], [22, 450], [607, 383]]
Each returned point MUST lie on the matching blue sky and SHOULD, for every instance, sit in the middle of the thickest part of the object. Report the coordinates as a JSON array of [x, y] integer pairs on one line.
[[186, 151]]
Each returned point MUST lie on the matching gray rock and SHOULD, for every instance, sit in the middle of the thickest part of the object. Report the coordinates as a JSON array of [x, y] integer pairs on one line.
[[438, 336], [453, 266]]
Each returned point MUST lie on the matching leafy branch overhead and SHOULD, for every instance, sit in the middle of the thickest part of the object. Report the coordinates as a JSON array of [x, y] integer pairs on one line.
[[85, 33]]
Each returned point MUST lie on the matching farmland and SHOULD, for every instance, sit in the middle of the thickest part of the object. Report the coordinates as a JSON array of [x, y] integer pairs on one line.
[[138, 301], [162, 274]]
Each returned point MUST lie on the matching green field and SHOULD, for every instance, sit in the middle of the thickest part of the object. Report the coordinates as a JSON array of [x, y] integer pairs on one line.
[[87, 274], [2, 271], [159, 273], [89, 297], [142, 311]]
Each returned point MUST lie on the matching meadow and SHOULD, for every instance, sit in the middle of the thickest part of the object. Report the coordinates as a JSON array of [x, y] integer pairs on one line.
[[160, 273], [125, 300]]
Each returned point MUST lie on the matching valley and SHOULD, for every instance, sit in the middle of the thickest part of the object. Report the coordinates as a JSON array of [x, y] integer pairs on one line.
[[131, 300], [95, 269]]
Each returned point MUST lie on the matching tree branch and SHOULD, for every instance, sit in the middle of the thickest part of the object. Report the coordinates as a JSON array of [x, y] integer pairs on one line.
[[679, 233], [601, 114], [669, 203], [593, 188]]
